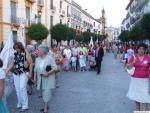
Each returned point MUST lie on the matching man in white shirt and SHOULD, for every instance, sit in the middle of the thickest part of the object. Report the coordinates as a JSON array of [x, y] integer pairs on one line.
[[67, 52]]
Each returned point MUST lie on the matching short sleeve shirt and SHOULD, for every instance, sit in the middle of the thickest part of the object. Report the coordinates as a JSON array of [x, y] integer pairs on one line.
[[2, 74], [141, 67]]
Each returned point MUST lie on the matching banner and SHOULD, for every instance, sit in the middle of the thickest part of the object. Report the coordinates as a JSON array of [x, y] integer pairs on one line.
[[23, 36], [8, 51]]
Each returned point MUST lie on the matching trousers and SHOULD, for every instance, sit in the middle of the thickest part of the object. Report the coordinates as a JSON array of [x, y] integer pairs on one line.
[[20, 82]]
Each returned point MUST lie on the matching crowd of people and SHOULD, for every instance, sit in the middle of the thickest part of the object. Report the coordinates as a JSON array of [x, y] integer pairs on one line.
[[42, 66]]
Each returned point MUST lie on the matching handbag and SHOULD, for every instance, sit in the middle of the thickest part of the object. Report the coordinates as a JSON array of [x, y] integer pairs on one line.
[[48, 68], [26, 64], [132, 70]]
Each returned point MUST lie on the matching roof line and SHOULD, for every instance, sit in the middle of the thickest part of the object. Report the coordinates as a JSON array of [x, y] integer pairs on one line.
[[129, 4]]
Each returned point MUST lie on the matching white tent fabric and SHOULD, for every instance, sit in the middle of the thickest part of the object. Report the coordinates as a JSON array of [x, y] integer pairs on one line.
[[91, 42], [23, 36], [7, 51]]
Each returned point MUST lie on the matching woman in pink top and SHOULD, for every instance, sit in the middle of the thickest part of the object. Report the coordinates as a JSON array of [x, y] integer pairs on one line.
[[139, 85]]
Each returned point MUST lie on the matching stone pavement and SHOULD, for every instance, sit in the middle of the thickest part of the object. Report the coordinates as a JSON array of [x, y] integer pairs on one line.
[[87, 92]]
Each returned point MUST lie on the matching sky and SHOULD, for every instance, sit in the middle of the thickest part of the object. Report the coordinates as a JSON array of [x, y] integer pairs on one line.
[[115, 10]]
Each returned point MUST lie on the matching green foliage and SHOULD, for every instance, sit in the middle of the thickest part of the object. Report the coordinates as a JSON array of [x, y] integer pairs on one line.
[[59, 32], [95, 36], [136, 33], [38, 32], [86, 36], [103, 37], [71, 34], [145, 24], [79, 38], [62, 32], [124, 36]]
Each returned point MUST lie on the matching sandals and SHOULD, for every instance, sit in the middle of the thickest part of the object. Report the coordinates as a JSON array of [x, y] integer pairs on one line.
[[42, 110]]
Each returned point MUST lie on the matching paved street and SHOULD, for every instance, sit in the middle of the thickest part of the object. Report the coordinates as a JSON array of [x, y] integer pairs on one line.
[[86, 92]]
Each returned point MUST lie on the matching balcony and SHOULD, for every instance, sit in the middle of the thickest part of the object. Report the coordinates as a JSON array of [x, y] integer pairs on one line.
[[31, 1], [14, 19], [128, 26], [53, 9], [68, 15], [141, 4], [17, 21], [40, 3], [62, 13]]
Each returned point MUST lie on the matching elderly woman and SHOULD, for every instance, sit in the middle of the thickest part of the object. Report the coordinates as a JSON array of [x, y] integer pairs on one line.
[[44, 73], [21, 63], [139, 85]]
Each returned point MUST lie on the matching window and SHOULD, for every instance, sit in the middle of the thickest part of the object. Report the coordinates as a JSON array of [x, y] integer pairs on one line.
[[13, 12], [51, 4], [28, 15], [60, 21], [68, 11], [60, 4], [51, 21], [94, 24], [14, 36], [39, 17]]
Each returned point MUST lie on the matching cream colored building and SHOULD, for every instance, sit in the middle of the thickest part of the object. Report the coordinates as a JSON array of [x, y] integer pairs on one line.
[[15, 12], [61, 11], [47, 12], [82, 21], [110, 32]]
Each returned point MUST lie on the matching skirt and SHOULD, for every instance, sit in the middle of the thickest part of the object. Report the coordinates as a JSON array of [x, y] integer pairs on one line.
[[46, 95], [139, 90]]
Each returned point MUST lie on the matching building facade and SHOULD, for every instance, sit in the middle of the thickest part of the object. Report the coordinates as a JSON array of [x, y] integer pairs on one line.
[[16, 12], [48, 12], [135, 11]]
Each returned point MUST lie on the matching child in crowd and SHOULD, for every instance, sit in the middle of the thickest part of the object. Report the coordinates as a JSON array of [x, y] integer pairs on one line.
[[92, 63], [65, 63], [74, 62], [82, 61]]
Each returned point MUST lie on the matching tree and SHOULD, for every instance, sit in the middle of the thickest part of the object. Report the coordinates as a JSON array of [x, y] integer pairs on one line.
[[94, 36], [38, 32], [79, 38], [71, 34], [86, 36], [136, 33], [103, 37], [124, 36], [59, 32], [145, 24]]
